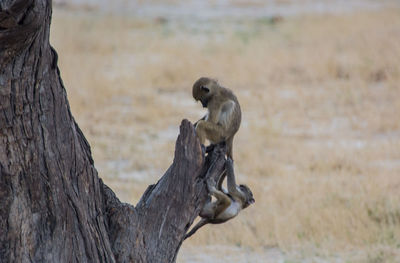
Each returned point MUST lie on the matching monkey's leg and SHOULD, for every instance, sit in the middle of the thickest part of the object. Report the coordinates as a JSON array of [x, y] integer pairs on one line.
[[232, 187], [201, 223], [229, 147], [228, 169], [208, 130], [200, 132], [221, 180], [223, 200]]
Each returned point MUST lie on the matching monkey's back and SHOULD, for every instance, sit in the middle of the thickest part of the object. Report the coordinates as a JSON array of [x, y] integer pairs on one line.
[[233, 115]]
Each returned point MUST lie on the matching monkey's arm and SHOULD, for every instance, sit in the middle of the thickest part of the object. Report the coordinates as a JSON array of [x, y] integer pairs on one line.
[[223, 200], [209, 130], [232, 187], [214, 113], [202, 119]]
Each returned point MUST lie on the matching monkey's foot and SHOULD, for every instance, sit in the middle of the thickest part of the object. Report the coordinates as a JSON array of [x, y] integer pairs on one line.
[[229, 161], [210, 148]]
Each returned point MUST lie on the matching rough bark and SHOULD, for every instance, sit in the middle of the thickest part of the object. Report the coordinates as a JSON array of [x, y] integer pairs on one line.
[[54, 207]]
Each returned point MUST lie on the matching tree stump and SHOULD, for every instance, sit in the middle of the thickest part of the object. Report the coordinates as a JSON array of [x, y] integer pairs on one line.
[[54, 207]]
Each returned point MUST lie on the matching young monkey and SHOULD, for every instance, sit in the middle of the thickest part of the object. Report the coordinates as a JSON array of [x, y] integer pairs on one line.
[[223, 119], [228, 204]]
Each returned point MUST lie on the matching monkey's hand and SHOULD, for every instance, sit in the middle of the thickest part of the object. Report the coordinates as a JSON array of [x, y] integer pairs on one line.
[[229, 163], [211, 185], [210, 148], [197, 122]]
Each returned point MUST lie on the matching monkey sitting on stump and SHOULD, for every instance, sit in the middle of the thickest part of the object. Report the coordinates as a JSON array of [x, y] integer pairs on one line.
[[224, 115], [228, 204]]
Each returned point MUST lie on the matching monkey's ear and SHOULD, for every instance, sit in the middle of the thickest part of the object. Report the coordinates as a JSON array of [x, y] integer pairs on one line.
[[205, 89]]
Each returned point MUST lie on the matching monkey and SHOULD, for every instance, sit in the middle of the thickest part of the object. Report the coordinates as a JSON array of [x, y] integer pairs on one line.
[[223, 118], [229, 202]]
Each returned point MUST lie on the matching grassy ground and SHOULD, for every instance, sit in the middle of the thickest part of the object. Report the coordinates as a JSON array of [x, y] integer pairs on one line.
[[320, 139]]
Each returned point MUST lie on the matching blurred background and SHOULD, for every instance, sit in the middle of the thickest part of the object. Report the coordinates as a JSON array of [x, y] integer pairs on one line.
[[319, 86]]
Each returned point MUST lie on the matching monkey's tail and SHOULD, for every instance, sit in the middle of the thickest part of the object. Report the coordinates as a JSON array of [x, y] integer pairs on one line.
[[196, 227]]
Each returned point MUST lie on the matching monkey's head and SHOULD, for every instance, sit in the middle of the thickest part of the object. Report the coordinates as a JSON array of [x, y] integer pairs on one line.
[[204, 90], [249, 199]]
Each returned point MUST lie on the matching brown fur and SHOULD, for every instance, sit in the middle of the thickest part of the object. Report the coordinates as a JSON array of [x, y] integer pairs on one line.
[[224, 114], [228, 204]]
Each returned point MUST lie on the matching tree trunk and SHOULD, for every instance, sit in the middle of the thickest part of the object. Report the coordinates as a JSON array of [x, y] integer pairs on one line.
[[53, 206]]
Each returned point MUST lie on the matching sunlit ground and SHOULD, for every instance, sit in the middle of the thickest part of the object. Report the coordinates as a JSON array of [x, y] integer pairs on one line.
[[320, 139]]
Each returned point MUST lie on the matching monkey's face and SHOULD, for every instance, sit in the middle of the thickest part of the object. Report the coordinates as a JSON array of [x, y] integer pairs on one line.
[[203, 90], [249, 195], [204, 103]]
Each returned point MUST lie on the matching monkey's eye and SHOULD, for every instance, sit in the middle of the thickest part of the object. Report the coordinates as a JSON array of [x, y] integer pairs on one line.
[[205, 88]]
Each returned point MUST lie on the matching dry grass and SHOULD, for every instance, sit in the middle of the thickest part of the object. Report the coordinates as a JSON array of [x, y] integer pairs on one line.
[[320, 140]]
